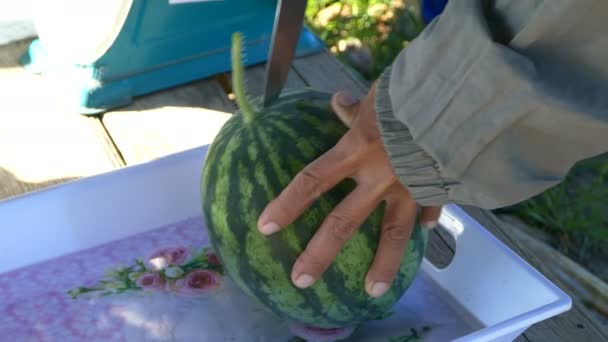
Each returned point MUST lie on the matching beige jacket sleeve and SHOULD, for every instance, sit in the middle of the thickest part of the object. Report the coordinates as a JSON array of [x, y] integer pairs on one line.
[[496, 100]]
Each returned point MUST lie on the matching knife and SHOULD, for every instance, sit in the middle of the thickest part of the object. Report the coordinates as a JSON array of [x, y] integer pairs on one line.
[[288, 22]]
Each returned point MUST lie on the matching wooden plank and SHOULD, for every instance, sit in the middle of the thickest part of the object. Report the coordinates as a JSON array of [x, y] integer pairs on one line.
[[323, 72], [438, 252], [522, 338], [169, 121], [42, 142], [254, 79], [179, 118]]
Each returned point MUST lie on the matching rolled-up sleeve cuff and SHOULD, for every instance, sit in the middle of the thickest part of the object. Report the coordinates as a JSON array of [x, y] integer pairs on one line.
[[415, 168]]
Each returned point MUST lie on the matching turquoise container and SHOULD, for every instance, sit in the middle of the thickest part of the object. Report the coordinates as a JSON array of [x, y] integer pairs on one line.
[[107, 52]]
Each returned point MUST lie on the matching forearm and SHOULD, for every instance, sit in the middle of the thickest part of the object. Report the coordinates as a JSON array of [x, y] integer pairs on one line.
[[496, 100]]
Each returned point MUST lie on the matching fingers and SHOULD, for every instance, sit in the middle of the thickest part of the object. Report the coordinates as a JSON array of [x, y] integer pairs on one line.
[[430, 217], [338, 227], [345, 107], [317, 177], [399, 218], [314, 180]]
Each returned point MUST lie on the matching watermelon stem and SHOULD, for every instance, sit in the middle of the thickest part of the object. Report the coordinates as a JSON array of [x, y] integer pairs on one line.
[[238, 82]]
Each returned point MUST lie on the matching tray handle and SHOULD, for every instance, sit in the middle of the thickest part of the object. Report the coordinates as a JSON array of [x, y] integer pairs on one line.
[[489, 279]]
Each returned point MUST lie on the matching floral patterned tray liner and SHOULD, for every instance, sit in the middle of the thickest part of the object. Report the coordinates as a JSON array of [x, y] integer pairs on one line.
[[59, 299]]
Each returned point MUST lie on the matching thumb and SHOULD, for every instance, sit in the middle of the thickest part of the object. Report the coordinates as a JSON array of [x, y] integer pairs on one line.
[[345, 106], [430, 217]]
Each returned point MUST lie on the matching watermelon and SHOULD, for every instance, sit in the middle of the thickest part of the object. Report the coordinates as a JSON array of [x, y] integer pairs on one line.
[[252, 159]]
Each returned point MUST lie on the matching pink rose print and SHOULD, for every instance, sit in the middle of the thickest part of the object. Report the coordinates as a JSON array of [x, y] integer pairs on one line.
[[168, 257], [151, 281], [310, 333], [198, 282], [213, 259]]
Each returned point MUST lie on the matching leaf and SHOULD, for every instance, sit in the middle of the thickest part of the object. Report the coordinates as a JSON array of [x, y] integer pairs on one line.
[[296, 339], [536, 216], [141, 264], [412, 337], [384, 315]]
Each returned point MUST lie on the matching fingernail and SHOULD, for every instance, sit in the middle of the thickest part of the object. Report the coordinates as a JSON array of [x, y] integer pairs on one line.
[[378, 289], [269, 228], [304, 280], [346, 100], [430, 224]]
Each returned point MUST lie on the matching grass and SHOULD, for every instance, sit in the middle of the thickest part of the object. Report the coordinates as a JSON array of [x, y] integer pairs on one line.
[[575, 212]]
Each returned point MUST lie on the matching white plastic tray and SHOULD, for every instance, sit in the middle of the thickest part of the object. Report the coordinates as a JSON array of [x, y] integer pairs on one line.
[[487, 293]]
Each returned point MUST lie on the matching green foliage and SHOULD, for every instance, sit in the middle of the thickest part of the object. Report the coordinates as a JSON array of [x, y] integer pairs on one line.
[[384, 27], [412, 337], [124, 279], [575, 210]]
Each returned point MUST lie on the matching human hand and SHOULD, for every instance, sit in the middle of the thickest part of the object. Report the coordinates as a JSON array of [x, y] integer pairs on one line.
[[359, 155]]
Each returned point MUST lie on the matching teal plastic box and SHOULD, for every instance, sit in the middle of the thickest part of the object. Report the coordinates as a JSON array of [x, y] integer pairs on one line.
[[108, 52]]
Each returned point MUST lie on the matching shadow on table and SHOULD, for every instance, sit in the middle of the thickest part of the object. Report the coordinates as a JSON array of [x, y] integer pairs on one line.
[[11, 185], [11, 52]]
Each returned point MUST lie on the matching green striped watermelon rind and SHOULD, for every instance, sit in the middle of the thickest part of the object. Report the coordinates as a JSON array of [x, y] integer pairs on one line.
[[246, 166]]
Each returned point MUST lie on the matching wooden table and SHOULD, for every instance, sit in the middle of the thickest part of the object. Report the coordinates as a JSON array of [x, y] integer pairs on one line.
[[42, 144]]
